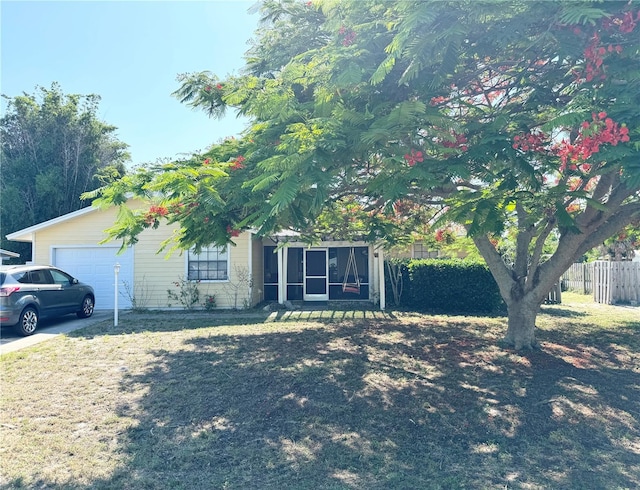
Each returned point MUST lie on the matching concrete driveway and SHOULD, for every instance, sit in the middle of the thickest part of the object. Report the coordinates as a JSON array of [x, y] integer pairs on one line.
[[10, 341]]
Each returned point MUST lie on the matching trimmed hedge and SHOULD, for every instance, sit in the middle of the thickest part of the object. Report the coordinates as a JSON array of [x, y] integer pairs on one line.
[[450, 286]]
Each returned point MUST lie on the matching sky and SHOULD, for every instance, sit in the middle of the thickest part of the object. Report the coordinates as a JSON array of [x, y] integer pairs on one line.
[[129, 53]]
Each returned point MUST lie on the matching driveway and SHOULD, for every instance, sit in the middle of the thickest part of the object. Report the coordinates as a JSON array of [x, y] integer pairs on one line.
[[10, 341]]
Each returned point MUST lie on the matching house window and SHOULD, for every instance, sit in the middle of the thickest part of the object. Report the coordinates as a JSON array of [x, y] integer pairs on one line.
[[211, 264], [420, 251]]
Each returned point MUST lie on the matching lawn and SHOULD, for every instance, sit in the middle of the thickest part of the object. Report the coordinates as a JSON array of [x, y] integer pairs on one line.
[[327, 400]]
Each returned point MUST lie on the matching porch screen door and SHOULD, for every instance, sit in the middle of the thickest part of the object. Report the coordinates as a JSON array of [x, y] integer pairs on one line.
[[316, 275]]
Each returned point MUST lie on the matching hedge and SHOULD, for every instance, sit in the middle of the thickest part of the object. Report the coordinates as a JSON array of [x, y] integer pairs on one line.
[[449, 286]]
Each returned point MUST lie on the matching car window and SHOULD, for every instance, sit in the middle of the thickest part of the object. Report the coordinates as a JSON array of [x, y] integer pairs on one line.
[[22, 276], [60, 277], [41, 276]]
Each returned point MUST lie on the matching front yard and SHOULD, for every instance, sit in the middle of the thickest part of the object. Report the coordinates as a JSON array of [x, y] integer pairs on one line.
[[331, 399]]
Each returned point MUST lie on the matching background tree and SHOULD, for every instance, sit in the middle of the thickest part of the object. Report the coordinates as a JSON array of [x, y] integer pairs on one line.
[[518, 119], [54, 148]]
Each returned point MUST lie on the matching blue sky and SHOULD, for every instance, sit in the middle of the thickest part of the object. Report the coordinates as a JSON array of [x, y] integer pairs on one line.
[[129, 53]]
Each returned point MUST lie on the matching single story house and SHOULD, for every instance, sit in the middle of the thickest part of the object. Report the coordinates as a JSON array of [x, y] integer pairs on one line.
[[256, 269]]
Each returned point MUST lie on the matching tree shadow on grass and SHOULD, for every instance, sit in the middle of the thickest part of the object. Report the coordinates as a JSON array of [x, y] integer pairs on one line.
[[375, 404], [555, 311]]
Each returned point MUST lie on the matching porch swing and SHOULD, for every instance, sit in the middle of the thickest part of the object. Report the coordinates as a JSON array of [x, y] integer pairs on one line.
[[351, 287]]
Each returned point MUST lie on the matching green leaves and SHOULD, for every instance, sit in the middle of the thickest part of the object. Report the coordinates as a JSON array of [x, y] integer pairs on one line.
[[343, 97], [54, 149], [580, 13]]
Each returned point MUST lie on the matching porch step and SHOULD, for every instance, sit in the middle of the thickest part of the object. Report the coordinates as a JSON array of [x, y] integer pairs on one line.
[[334, 305]]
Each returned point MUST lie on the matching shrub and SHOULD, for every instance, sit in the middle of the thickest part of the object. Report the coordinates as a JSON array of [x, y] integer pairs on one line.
[[209, 302], [186, 293], [451, 286]]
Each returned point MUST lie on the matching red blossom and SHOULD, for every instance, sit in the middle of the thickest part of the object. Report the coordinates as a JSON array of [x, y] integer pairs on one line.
[[236, 163], [219, 86], [530, 142], [232, 232], [602, 130], [438, 100], [459, 142], [628, 23], [207, 161], [348, 36], [158, 210], [414, 157], [207, 88]]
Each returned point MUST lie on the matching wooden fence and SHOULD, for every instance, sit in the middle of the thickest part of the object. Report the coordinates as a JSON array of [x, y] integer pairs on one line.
[[610, 282], [579, 278], [616, 282]]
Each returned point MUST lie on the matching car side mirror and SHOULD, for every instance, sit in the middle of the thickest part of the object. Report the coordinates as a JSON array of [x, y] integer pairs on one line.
[[74, 281]]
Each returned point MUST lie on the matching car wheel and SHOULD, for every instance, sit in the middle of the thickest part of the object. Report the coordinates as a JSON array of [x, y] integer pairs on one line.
[[87, 307], [28, 321]]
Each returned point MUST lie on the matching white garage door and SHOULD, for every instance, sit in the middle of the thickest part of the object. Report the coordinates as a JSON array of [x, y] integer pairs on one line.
[[94, 266]]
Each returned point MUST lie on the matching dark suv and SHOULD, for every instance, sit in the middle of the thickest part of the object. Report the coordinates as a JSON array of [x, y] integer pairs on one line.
[[31, 292]]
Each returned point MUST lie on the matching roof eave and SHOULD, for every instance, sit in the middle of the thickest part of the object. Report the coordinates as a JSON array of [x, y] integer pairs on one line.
[[27, 234]]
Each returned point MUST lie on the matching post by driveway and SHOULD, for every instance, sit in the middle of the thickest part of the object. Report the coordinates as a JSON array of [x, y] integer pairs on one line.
[[11, 342]]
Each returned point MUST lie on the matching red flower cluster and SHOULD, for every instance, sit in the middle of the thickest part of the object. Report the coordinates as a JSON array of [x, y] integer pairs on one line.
[[438, 100], [594, 56], [155, 212], [530, 142], [413, 157], [594, 53], [628, 23], [349, 36], [603, 130], [444, 236], [207, 161], [232, 232], [459, 142], [625, 23], [236, 164]]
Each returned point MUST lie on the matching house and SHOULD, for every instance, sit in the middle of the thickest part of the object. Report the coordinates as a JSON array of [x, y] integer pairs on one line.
[[256, 269]]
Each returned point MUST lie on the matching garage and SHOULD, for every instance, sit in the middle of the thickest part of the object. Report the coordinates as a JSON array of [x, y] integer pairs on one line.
[[95, 266]]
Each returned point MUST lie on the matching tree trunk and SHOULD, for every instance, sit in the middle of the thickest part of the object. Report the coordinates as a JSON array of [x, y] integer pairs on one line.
[[522, 324]]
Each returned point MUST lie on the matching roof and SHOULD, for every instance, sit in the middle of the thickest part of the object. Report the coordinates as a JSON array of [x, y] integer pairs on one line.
[[7, 254], [27, 234]]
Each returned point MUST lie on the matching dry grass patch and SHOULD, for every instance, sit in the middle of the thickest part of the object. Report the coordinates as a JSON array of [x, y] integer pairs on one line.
[[333, 400]]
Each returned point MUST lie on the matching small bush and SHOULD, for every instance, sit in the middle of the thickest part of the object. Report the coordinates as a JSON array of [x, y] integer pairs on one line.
[[209, 302], [186, 293]]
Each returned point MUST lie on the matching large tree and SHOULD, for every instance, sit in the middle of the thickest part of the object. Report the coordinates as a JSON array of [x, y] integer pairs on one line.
[[517, 118], [53, 149]]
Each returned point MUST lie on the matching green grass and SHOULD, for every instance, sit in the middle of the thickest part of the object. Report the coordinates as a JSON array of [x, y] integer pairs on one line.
[[327, 400]]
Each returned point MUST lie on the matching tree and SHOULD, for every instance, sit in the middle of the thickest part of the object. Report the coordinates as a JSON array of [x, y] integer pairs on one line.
[[54, 148], [516, 118]]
